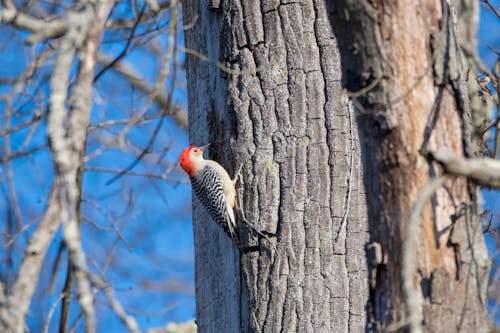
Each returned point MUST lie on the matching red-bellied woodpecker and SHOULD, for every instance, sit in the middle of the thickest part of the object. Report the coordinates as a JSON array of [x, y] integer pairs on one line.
[[213, 187]]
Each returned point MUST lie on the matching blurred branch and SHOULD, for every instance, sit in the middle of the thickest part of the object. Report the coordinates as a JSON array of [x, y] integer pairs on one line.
[[138, 174], [141, 155], [16, 306], [40, 29], [153, 94], [112, 221], [187, 327], [16, 128], [119, 137], [153, 14], [111, 123], [496, 73], [51, 313], [492, 7], [471, 54], [14, 204], [123, 53], [410, 247], [177, 113], [67, 140], [154, 5], [160, 82], [92, 23], [127, 320], [66, 298], [12, 238], [128, 146], [19, 154], [482, 171]]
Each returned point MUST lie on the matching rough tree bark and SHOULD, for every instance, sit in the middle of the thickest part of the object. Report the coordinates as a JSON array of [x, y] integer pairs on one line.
[[278, 104], [270, 99]]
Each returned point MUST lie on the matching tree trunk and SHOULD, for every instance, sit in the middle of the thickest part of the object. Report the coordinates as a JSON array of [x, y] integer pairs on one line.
[[406, 53], [270, 98]]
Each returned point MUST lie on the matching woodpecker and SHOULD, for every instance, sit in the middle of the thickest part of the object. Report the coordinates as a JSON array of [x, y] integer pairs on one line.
[[213, 187]]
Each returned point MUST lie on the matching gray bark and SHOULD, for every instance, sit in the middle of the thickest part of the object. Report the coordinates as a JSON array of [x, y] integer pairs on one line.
[[277, 108]]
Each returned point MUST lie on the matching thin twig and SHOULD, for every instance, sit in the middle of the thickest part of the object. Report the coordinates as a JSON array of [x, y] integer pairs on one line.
[[164, 73], [13, 129], [51, 313], [123, 53], [366, 89], [12, 238], [218, 64], [349, 177], [10, 173], [127, 320], [492, 7], [111, 123], [19, 154], [111, 221], [137, 174], [159, 97], [141, 155]]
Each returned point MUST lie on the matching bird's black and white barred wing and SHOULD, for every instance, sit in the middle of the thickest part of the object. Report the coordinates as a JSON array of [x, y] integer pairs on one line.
[[207, 186]]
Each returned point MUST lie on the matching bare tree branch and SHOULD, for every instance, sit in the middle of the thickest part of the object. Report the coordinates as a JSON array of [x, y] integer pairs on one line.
[[72, 144], [10, 173], [138, 174], [41, 29], [51, 312], [491, 7], [123, 53], [177, 113], [111, 123], [19, 154], [17, 303], [482, 171], [127, 320]]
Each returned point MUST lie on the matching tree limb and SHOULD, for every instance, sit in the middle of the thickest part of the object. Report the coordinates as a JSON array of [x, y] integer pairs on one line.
[[41, 29], [160, 98], [17, 303], [482, 171]]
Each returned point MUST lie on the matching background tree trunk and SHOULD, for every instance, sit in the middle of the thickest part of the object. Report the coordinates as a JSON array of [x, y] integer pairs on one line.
[[419, 103], [270, 98]]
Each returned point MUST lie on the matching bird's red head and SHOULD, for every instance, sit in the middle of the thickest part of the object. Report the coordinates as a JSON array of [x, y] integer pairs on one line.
[[188, 158]]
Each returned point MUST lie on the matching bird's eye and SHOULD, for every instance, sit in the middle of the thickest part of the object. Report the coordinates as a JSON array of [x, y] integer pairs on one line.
[[195, 150]]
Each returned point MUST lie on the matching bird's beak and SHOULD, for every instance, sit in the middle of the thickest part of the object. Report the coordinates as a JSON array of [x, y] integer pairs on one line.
[[202, 148]]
